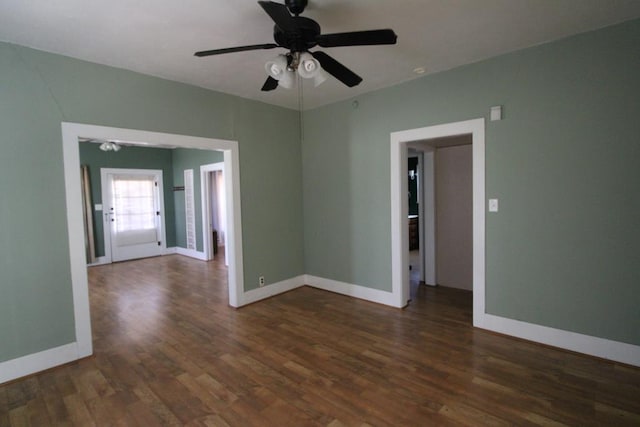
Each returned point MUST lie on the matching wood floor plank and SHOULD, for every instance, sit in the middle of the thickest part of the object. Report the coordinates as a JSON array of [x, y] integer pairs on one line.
[[19, 416], [78, 411], [170, 351], [38, 414]]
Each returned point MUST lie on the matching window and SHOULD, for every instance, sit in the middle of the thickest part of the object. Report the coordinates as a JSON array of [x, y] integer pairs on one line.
[[134, 202]]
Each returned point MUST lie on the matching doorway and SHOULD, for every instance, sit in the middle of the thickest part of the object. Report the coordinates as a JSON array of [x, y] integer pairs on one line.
[[399, 207], [133, 205], [440, 174], [72, 134], [214, 212], [416, 218]]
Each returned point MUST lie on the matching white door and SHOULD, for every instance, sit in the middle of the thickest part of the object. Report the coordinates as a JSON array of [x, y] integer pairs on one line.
[[133, 204]]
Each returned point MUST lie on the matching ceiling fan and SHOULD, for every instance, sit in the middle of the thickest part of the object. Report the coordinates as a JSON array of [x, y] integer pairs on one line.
[[299, 34]]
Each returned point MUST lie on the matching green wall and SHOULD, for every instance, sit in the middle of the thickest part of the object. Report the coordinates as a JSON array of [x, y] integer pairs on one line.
[[183, 159], [38, 91], [563, 250], [128, 158], [36, 307]]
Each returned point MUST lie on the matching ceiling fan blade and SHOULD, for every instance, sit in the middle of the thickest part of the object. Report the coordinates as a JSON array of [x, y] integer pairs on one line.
[[337, 70], [269, 84], [280, 15], [236, 49], [358, 38]]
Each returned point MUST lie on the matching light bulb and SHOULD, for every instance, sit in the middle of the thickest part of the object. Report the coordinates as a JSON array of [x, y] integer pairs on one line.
[[275, 70], [309, 66]]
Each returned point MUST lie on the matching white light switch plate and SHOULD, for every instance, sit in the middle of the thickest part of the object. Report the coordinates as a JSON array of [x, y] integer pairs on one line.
[[493, 205], [496, 113]]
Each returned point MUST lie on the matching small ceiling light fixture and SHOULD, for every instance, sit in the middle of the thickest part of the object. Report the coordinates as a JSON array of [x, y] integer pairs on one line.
[[309, 68], [284, 67], [110, 146], [280, 70]]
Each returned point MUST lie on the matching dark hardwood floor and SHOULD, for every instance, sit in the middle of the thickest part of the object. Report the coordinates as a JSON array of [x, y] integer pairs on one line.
[[169, 351]]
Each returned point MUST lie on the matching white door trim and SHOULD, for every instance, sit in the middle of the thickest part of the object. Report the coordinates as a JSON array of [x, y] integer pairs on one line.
[[428, 220], [71, 132], [399, 209]]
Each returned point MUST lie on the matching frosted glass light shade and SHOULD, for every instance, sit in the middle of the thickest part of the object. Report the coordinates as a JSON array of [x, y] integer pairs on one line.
[[310, 68], [278, 69]]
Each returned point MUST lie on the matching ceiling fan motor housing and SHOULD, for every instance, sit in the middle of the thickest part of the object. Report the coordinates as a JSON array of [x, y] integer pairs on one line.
[[302, 39], [296, 7]]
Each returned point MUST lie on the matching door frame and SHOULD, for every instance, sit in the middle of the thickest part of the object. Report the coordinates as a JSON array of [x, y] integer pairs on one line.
[[399, 208], [71, 135], [426, 214], [106, 227], [428, 219], [420, 198], [205, 197]]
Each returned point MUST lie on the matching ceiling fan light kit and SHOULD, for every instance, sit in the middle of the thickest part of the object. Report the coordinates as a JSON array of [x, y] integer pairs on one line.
[[309, 68], [299, 34], [110, 146], [284, 67], [279, 70]]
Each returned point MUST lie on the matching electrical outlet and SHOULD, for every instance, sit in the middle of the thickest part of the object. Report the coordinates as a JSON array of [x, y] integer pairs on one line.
[[261, 281]]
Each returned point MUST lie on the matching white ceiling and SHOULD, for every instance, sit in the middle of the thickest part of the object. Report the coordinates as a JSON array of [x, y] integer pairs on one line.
[[159, 37]]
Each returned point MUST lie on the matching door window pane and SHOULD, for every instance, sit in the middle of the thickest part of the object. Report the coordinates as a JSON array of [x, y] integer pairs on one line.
[[134, 203]]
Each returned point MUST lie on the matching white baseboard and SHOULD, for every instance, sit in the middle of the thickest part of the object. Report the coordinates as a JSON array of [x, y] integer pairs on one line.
[[36, 362], [167, 251], [586, 344], [271, 290], [191, 253], [99, 261], [356, 291]]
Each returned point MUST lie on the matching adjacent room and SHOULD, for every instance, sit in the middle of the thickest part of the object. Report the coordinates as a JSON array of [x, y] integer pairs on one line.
[[320, 213]]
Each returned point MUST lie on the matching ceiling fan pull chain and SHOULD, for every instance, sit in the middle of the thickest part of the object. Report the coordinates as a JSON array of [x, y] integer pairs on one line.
[[301, 108]]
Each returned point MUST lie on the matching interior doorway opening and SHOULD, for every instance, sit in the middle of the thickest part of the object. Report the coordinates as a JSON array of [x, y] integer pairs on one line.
[[214, 212], [399, 207], [72, 134], [416, 218], [440, 212]]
